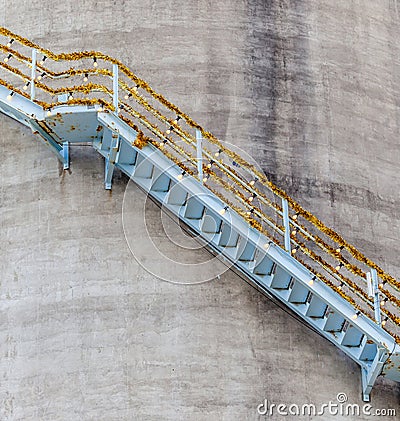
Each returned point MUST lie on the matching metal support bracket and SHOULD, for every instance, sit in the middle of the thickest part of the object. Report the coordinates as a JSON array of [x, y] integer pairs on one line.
[[65, 154], [368, 377], [111, 160]]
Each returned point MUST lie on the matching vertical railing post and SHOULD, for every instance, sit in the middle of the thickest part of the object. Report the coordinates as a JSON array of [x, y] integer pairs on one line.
[[33, 73], [115, 88], [199, 153], [377, 301], [373, 292], [286, 224]]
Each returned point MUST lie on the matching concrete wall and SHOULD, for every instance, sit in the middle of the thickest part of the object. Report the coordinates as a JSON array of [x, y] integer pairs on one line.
[[310, 89]]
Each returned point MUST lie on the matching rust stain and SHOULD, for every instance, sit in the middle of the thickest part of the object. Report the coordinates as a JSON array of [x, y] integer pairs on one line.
[[99, 128], [73, 128], [58, 116]]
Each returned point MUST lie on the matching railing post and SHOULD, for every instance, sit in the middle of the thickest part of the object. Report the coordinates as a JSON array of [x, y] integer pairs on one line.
[[115, 87], [286, 224], [199, 153], [33, 73], [377, 301], [373, 292]]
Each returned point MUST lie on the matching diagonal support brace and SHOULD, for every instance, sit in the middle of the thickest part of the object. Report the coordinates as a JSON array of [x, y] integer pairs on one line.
[[61, 150], [111, 160]]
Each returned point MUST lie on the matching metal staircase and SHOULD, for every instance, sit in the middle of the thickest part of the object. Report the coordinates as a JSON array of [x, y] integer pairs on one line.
[[281, 248]]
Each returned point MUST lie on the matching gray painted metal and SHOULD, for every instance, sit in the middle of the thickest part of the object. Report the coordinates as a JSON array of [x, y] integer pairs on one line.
[[272, 269]]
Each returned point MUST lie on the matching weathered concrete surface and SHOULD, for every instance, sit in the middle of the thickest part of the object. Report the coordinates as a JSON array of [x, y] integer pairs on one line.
[[310, 89]]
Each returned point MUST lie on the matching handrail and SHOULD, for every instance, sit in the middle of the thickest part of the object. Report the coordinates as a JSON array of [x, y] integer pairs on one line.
[[235, 186]]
